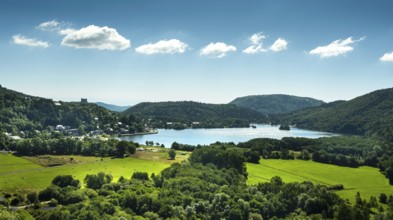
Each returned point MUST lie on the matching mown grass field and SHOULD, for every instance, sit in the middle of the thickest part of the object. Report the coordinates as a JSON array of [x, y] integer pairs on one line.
[[10, 163], [367, 181], [19, 175]]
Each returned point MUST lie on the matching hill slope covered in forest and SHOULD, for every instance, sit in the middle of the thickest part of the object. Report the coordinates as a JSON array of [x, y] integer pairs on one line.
[[21, 112], [370, 114], [195, 114], [276, 104]]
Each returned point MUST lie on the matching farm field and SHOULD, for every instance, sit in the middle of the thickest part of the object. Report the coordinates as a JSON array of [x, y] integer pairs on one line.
[[21, 175], [10, 163], [368, 181]]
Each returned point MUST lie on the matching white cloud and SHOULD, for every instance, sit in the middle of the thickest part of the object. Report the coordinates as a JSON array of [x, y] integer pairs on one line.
[[22, 40], [164, 47], [49, 25], [62, 28], [336, 48], [66, 31], [279, 45], [256, 38], [387, 57], [94, 37], [256, 44], [217, 50], [254, 49]]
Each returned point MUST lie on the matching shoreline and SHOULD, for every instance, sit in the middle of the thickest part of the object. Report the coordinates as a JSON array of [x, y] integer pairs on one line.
[[140, 133]]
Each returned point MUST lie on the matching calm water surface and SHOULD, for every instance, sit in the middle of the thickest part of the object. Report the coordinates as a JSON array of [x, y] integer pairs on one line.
[[211, 135]]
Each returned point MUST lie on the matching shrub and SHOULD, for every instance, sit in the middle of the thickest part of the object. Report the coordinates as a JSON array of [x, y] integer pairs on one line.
[[172, 154], [65, 180], [53, 202], [140, 176], [15, 201], [32, 197]]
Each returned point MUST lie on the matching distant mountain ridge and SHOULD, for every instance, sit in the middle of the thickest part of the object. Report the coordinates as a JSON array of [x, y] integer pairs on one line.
[[370, 114], [276, 104], [188, 112], [115, 108]]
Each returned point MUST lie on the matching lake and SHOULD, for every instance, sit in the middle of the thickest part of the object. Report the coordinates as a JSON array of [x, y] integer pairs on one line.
[[211, 135]]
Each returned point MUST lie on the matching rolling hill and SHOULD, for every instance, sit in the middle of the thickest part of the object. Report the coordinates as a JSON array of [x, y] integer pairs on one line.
[[275, 104], [196, 114], [21, 112], [370, 114], [114, 108]]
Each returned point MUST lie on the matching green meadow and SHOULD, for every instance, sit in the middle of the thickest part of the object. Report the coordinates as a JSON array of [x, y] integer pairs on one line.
[[10, 163], [19, 175], [368, 181]]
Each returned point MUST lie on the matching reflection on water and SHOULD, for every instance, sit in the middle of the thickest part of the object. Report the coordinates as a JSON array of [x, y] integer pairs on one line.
[[211, 135]]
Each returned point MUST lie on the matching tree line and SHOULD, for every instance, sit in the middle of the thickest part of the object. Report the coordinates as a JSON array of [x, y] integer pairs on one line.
[[350, 151], [180, 115], [210, 185], [70, 146]]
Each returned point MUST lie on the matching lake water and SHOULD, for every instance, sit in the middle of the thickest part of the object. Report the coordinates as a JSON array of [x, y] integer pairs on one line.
[[211, 135]]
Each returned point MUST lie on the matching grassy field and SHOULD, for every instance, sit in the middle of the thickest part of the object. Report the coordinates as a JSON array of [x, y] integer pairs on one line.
[[10, 163], [22, 175], [366, 180]]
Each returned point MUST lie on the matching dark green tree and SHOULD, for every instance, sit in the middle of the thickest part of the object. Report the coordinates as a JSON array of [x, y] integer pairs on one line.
[[15, 201], [32, 197], [383, 198], [131, 148], [252, 156], [140, 176], [344, 212], [172, 154], [96, 181], [65, 180], [121, 148]]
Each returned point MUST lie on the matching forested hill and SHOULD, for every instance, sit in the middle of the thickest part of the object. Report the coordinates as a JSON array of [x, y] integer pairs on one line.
[[276, 104], [114, 108], [164, 114], [370, 114], [20, 112]]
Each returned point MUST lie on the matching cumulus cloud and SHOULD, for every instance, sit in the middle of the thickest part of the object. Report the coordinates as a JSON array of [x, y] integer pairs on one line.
[[279, 45], [217, 50], [66, 31], [253, 49], [62, 28], [49, 25], [94, 37], [387, 57], [256, 38], [255, 44], [163, 47], [22, 40], [335, 48]]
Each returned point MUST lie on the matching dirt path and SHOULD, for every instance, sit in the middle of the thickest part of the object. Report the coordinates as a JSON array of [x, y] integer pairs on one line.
[[26, 206]]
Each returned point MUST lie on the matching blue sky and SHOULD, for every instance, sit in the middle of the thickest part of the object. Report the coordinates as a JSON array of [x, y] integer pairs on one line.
[[125, 52]]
